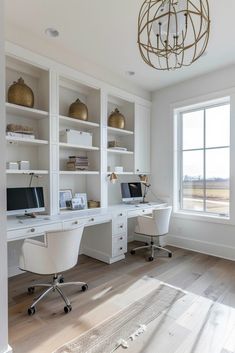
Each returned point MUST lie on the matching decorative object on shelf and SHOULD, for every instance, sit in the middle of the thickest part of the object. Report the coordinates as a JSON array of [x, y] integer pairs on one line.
[[173, 33], [21, 94], [78, 110], [12, 165], [116, 119], [64, 196], [93, 204], [113, 178], [144, 181], [24, 165], [20, 131], [113, 144], [77, 163], [78, 202], [75, 137]]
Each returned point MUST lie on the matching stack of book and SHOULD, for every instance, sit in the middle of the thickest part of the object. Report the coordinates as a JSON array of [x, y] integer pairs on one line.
[[77, 163], [20, 131]]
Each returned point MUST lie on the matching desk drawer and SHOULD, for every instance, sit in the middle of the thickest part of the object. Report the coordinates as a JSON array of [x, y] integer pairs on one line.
[[119, 226], [119, 245], [89, 221], [72, 224], [33, 231], [119, 216], [137, 213]]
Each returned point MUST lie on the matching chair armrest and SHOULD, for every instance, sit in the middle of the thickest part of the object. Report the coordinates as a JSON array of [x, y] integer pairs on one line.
[[34, 256]]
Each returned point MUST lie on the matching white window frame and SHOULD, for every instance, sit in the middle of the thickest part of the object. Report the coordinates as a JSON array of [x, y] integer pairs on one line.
[[216, 99]]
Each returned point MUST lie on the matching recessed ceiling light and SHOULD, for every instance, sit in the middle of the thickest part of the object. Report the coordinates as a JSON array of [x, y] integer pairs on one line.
[[130, 73], [52, 32]]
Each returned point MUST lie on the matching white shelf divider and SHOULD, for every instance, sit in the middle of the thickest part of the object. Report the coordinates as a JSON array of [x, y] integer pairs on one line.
[[26, 172], [78, 123], [79, 172], [25, 112], [25, 141], [77, 147], [119, 132]]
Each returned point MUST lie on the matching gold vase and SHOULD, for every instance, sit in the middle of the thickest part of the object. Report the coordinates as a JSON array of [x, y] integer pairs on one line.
[[116, 119], [78, 110], [21, 94]]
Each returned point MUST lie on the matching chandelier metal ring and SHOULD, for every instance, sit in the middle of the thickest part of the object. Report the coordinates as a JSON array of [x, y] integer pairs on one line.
[[173, 33]]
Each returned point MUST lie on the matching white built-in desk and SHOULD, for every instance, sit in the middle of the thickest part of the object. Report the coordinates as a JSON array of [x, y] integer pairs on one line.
[[105, 235]]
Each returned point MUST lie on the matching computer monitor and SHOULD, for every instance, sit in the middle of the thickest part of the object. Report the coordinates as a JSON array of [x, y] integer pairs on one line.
[[26, 200], [131, 192]]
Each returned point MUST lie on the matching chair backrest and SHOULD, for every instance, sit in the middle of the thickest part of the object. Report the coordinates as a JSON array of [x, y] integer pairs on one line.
[[162, 219], [63, 248]]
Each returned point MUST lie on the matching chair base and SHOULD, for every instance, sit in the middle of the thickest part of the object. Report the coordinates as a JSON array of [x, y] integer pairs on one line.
[[56, 285], [152, 247]]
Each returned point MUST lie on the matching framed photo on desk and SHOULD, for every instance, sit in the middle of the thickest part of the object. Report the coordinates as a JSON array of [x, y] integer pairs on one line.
[[65, 195]]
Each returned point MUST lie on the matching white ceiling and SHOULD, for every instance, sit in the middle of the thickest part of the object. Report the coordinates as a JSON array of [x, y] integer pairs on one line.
[[104, 32]]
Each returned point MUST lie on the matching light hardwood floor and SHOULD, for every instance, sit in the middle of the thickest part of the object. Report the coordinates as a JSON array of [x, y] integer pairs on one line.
[[203, 322]]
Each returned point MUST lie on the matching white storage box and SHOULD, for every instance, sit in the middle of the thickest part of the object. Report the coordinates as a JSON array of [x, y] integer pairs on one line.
[[76, 137]]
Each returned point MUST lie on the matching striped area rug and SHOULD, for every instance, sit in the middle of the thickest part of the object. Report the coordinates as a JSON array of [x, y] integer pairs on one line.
[[104, 337]]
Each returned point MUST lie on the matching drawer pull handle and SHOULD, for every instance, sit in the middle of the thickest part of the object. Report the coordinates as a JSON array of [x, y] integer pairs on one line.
[[121, 226], [121, 238], [32, 230], [121, 215], [143, 210], [92, 220], [76, 222], [121, 248]]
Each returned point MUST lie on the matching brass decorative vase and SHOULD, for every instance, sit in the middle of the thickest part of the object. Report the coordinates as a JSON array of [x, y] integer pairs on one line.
[[116, 119], [21, 94], [78, 110]]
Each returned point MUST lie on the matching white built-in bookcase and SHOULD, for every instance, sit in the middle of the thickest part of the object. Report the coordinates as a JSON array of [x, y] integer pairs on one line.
[[55, 87]]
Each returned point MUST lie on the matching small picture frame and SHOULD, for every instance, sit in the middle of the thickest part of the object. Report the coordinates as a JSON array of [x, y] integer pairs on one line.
[[65, 195], [82, 200]]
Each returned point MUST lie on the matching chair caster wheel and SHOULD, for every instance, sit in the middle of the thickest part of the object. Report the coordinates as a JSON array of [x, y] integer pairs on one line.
[[84, 287], [169, 255], [151, 258], [67, 309], [132, 252], [146, 244], [31, 290], [61, 280], [31, 311]]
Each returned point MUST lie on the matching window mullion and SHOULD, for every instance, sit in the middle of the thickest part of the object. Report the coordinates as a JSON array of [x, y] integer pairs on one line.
[[204, 161]]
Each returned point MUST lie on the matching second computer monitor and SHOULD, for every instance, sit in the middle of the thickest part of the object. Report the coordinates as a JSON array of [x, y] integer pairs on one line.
[[131, 192]]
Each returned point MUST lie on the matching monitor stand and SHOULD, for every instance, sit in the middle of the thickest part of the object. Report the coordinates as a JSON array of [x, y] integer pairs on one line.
[[27, 215]]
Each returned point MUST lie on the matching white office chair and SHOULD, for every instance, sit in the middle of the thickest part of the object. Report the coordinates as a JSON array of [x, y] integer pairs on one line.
[[58, 253], [154, 226]]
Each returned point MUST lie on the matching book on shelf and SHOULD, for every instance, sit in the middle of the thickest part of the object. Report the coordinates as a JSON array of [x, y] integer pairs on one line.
[[20, 135], [118, 148], [77, 163]]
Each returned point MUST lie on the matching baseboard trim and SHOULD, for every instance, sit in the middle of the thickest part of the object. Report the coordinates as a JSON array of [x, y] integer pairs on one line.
[[203, 247], [9, 350], [101, 256], [14, 271]]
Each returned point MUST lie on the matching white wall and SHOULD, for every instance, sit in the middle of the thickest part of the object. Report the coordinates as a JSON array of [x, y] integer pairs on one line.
[[208, 237], [53, 50], [3, 238]]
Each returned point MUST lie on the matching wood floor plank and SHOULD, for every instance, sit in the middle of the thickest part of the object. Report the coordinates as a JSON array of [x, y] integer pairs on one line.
[[194, 324]]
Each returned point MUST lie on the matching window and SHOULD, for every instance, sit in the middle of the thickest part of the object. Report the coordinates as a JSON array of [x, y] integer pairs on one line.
[[204, 153]]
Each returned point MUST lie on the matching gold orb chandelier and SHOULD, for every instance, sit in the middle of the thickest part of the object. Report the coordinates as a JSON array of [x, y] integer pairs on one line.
[[173, 33]]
